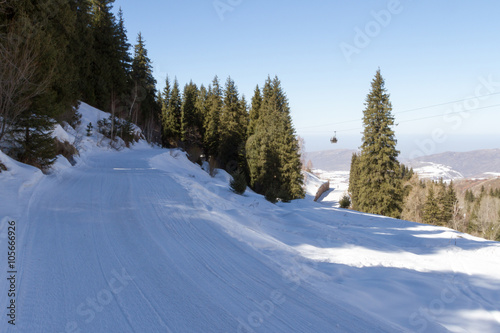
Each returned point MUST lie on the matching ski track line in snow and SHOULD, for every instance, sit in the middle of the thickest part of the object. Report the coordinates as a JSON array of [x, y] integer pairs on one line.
[[199, 258]]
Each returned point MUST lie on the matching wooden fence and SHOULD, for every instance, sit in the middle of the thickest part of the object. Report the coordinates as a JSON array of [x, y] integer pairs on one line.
[[322, 189]]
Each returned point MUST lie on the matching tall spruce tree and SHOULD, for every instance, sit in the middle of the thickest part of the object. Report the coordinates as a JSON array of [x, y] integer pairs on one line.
[[432, 211], [190, 117], [123, 45], [164, 103], [254, 111], [354, 176], [147, 110], [448, 200], [233, 128], [108, 75], [171, 114], [211, 122], [380, 186], [82, 46], [273, 150], [201, 106]]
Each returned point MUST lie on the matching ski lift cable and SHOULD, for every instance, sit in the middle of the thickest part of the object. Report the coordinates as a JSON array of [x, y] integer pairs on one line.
[[429, 117], [405, 111], [450, 113]]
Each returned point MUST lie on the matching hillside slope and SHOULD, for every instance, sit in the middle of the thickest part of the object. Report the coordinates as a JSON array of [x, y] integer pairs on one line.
[[331, 160], [477, 163], [143, 240]]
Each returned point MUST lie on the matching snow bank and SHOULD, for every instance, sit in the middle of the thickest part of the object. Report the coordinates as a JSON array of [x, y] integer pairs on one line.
[[312, 183], [62, 135], [15, 183], [19, 172], [91, 114], [96, 140]]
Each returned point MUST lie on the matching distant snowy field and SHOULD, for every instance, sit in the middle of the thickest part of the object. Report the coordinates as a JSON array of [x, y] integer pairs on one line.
[[339, 180], [142, 240], [339, 183], [437, 171]]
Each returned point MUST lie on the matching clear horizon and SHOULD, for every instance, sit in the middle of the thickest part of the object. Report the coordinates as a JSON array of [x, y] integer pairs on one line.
[[439, 60]]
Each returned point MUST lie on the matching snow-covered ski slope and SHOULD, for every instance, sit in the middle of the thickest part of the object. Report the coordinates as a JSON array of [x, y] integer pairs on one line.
[[143, 240]]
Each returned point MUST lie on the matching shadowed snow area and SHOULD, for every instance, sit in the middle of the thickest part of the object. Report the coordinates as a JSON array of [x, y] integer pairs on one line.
[[142, 240]]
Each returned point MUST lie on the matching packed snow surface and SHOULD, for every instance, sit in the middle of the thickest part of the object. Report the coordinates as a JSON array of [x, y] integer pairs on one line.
[[142, 240], [339, 184]]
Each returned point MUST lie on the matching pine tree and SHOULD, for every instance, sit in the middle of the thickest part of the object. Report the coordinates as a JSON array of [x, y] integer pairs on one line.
[[201, 106], [123, 45], [291, 167], [190, 131], [34, 144], [264, 162], [171, 115], [254, 111], [147, 112], [345, 201], [61, 26], [212, 120], [164, 103], [233, 128], [354, 180], [89, 129], [469, 196], [82, 49], [380, 186], [108, 76], [238, 183], [431, 208], [448, 203], [441, 198], [273, 150]]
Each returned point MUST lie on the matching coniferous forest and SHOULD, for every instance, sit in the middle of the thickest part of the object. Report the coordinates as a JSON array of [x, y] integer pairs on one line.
[[54, 54]]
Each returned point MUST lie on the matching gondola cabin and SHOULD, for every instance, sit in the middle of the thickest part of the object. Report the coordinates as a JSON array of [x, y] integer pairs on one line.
[[334, 138]]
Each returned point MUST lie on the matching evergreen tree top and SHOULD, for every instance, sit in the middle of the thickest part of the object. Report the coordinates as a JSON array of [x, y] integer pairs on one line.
[[378, 120], [101, 12], [142, 69], [216, 89]]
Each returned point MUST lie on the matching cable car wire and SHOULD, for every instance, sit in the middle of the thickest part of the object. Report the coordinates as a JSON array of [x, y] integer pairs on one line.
[[405, 111]]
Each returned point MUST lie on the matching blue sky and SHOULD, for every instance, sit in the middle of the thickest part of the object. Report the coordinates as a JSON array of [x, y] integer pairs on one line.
[[326, 52]]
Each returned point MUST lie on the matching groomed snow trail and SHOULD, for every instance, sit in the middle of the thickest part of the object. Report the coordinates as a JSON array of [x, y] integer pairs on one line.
[[144, 241], [118, 246]]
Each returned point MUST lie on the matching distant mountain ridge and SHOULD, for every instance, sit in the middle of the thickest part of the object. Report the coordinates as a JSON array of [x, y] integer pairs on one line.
[[449, 165], [331, 160], [476, 163]]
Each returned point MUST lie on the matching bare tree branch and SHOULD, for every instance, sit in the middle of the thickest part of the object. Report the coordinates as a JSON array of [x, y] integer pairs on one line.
[[20, 76]]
